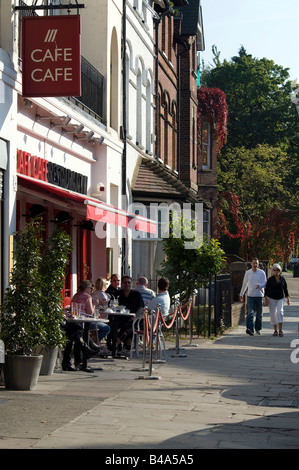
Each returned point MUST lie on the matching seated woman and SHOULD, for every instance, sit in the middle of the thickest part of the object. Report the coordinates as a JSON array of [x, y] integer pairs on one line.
[[101, 298], [74, 331]]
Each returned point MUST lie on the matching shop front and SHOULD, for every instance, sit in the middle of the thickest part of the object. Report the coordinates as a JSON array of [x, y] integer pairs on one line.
[[58, 195]]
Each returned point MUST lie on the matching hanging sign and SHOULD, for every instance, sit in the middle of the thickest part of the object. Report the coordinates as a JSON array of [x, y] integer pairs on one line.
[[51, 56]]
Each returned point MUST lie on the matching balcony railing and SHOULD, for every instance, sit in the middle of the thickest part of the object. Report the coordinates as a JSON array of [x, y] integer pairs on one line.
[[92, 90]]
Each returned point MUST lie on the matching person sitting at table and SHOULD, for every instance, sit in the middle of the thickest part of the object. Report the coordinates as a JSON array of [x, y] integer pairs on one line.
[[114, 289], [162, 297], [74, 331], [133, 301], [146, 293], [101, 298]]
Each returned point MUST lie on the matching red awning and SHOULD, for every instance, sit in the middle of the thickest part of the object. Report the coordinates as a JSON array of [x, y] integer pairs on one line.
[[97, 210]]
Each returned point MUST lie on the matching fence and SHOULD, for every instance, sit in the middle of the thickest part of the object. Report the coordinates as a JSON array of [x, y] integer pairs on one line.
[[211, 310]]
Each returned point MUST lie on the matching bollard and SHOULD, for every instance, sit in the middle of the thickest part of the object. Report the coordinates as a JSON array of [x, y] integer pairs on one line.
[[150, 376], [160, 360], [190, 344], [145, 323], [177, 340]]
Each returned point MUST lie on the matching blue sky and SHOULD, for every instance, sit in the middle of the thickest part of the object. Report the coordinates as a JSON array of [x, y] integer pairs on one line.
[[266, 28]]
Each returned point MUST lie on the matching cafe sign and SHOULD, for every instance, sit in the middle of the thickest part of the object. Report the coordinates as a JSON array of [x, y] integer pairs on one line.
[[41, 169], [51, 56]]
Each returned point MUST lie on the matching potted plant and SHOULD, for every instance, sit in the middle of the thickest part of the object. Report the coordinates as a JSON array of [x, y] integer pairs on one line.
[[52, 271], [31, 313], [22, 326]]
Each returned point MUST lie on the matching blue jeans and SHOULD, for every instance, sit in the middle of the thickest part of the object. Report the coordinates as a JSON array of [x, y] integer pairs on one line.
[[103, 329], [254, 305]]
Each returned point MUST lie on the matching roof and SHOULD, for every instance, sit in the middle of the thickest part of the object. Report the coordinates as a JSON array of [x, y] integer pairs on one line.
[[156, 180]]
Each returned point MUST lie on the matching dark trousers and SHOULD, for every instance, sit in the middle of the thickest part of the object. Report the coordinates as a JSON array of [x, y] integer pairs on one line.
[[74, 334]]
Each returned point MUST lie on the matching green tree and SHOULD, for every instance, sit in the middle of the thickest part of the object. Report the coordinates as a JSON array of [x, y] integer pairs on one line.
[[186, 266], [258, 94], [258, 171]]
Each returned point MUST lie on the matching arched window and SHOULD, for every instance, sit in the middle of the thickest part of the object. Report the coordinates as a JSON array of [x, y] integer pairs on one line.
[[114, 82], [149, 115], [139, 109]]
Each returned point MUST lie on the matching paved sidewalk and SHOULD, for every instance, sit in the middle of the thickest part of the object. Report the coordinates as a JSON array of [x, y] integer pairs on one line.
[[236, 392]]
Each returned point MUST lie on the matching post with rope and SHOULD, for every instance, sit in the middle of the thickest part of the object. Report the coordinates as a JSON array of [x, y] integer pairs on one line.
[[151, 326], [144, 339], [179, 311], [190, 344], [158, 329]]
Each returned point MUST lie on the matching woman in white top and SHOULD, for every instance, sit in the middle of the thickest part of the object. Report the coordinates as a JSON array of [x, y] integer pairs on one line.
[[101, 298]]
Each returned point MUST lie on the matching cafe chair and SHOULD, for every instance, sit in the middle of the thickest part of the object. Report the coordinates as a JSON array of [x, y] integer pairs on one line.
[[137, 337], [137, 340]]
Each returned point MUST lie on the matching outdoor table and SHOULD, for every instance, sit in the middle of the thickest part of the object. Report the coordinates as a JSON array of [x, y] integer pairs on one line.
[[86, 320], [114, 324]]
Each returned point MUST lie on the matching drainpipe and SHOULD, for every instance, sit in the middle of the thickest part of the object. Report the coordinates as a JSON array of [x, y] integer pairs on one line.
[[157, 23], [186, 49], [124, 137]]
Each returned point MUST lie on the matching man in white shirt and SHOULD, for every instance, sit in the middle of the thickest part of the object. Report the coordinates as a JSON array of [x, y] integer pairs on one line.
[[254, 280], [162, 297]]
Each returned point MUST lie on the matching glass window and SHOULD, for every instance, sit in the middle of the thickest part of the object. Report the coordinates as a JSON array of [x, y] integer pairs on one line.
[[206, 145]]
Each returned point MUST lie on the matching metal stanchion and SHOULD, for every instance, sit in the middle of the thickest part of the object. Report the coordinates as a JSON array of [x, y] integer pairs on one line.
[[190, 345], [177, 348], [158, 342], [145, 323], [156, 360], [150, 376]]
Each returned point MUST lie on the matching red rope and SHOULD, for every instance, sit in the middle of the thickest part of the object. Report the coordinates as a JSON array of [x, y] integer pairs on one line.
[[188, 304], [173, 314]]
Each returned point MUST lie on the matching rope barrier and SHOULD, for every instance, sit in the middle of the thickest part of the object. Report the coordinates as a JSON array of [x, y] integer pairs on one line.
[[149, 325], [153, 326]]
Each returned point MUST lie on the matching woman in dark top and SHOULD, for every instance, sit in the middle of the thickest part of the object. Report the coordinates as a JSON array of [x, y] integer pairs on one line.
[[276, 290]]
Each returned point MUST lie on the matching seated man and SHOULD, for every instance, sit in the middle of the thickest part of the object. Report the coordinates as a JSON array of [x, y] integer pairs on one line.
[[132, 300], [146, 293], [114, 289], [162, 297]]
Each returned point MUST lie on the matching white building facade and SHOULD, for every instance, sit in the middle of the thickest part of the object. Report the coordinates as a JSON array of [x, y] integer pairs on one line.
[[63, 158]]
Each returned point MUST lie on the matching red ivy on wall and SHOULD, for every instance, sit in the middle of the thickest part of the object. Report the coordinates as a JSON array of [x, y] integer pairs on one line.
[[212, 106], [274, 234]]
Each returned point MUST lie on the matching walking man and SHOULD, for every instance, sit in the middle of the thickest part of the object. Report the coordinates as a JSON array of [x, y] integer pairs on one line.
[[254, 280]]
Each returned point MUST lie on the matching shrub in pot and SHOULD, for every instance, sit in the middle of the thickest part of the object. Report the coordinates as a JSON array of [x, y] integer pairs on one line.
[[52, 270], [31, 313], [22, 326]]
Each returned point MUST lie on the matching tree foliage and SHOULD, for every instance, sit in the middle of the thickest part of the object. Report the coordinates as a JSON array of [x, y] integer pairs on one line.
[[186, 266], [258, 94], [31, 312], [258, 169]]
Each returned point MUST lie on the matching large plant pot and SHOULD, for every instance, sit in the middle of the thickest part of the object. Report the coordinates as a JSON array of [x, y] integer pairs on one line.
[[22, 372], [49, 354]]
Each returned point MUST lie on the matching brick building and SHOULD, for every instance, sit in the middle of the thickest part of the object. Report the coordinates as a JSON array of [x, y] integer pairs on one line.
[[172, 175]]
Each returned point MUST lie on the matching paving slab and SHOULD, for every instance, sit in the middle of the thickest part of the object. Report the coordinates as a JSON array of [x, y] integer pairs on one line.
[[237, 392]]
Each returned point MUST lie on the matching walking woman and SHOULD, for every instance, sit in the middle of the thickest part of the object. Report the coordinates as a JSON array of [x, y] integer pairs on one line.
[[276, 290]]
